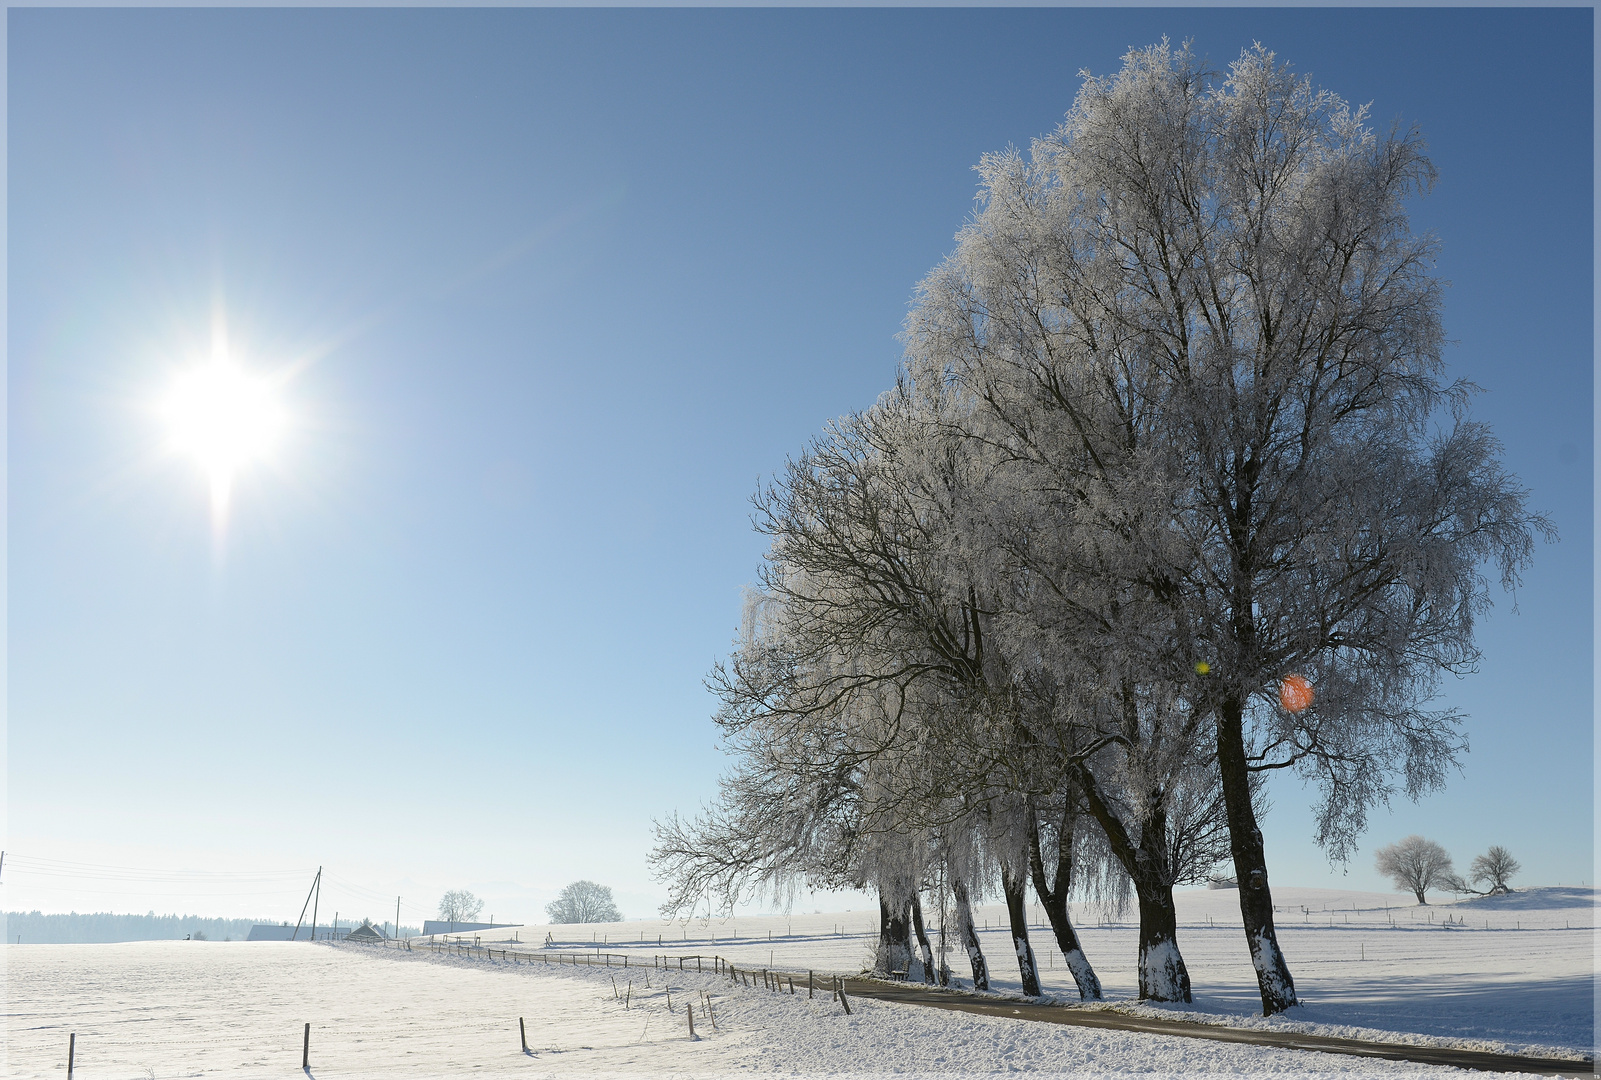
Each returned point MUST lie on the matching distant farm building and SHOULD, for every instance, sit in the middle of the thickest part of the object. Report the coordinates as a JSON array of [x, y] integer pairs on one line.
[[366, 932], [440, 926]]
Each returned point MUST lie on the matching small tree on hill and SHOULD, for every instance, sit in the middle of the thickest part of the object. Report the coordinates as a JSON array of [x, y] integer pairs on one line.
[[582, 902], [459, 905], [1496, 866], [1415, 865]]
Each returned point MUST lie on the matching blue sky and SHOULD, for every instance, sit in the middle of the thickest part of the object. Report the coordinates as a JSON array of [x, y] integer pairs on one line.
[[561, 287]]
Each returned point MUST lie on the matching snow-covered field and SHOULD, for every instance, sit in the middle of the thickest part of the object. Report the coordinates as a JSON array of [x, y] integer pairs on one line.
[[211, 1008], [1510, 973]]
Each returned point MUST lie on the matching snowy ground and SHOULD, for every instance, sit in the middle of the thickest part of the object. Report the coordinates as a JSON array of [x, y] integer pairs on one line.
[[163, 1009], [170, 1008], [1510, 973]]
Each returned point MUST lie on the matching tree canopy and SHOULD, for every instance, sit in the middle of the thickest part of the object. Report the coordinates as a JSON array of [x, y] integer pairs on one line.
[[583, 902], [1173, 433]]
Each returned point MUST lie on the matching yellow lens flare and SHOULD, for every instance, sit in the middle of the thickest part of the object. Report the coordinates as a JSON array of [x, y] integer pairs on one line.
[[225, 418]]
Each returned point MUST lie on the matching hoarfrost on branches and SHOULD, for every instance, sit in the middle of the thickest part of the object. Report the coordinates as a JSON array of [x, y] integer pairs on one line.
[[459, 905], [1495, 867], [1173, 427], [583, 902], [1415, 865]]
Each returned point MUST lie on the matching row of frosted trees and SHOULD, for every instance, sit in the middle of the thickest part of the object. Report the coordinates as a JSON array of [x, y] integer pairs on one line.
[[1172, 426]]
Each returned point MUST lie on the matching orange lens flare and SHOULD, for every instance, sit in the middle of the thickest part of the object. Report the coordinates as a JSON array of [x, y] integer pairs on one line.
[[1295, 693]]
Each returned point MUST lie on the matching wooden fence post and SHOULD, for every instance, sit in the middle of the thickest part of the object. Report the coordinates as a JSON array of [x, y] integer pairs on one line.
[[689, 1014], [809, 984], [523, 1030], [72, 1052], [305, 1050]]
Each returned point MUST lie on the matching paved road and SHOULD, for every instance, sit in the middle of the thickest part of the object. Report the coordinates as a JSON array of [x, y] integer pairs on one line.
[[914, 994]]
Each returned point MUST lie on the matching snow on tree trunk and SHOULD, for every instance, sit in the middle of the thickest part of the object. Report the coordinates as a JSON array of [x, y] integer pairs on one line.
[[968, 935], [1084, 977], [1012, 884], [1250, 862], [894, 953], [1163, 976], [924, 949]]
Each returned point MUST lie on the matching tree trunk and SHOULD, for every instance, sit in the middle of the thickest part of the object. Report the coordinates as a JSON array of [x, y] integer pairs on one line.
[[1053, 892], [925, 951], [1250, 862], [1014, 885], [1163, 976], [1421, 901], [894, 954], [968, 935], [944, 968]]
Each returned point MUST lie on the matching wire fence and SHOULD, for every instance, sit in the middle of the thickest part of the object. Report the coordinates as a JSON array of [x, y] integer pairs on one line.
[[102, 1048], [106, 1047]]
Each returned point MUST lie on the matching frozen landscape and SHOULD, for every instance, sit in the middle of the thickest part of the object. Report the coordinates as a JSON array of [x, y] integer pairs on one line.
[[1523, 983]]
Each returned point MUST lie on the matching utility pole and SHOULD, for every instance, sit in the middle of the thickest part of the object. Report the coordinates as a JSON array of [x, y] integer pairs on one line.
[[397, 917], [318, 886], [314, 884]]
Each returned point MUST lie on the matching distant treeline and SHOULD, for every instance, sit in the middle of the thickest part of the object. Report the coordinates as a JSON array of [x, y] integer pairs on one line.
[[37, 928]]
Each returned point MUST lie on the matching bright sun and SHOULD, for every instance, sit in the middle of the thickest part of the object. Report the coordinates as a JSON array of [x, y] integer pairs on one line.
[[223, 417]]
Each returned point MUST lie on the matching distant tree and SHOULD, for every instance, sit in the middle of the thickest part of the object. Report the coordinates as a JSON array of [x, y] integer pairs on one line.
[[1496, 866], [583, 902], [459, 905], [1416, 865]]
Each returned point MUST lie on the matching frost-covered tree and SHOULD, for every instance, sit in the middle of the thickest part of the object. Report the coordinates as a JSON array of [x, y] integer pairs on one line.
[[459, 905], [1195, 323], [872, 654], [583, 902], [1415, 865], [1495, 867]]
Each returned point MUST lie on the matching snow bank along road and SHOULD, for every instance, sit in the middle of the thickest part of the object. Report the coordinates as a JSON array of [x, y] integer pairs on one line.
[[1105, 1018], [238, 1008]]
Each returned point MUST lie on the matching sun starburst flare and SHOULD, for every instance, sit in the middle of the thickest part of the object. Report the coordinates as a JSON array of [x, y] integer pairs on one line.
[[225, 418]]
